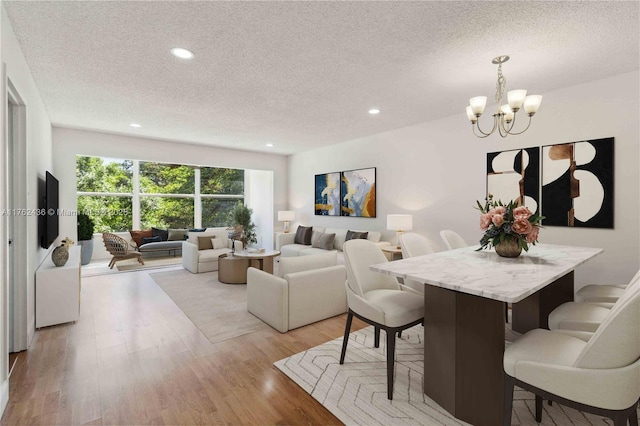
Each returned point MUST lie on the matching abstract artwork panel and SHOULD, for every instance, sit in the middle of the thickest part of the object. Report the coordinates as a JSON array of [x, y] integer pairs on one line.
[[358, 192], [327, 194], [515, 176], [577, 184]]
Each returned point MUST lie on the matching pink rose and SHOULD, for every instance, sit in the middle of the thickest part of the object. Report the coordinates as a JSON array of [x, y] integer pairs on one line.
[[500, 210], [532, 236], [497, 219], [521, 213], [521, 226], [485, 221]]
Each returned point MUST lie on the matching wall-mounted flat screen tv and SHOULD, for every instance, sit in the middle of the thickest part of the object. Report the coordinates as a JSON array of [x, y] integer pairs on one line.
[[50, 231]]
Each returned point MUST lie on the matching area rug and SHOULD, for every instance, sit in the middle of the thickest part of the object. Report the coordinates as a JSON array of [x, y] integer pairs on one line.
[[218, 310], [149, 263], [356, 392]]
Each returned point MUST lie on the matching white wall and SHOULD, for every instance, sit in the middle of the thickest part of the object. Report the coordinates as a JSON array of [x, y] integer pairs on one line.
[[67, 143], [436, 171], [38, 160]]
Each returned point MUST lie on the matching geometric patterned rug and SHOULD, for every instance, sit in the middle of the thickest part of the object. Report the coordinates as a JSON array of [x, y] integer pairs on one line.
[[356, 392]]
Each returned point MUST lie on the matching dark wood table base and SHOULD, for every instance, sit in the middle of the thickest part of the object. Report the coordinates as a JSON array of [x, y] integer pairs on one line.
[[464, 347]]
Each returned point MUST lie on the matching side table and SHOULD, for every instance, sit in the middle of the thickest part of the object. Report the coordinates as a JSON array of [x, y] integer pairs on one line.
[[392, 252]]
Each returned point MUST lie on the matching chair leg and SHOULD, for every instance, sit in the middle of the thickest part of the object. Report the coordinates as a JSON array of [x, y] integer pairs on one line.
[[509, 384], [347, 330], [506, 313], [113, 262], [619, 419], [391, 353], [400, 334], [140, 260], [376, 336], [538, 408], [633, 418]]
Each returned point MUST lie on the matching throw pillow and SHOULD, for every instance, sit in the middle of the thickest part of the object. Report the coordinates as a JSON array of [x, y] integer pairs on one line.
[[204, 243], [177, 234], [303, 235], [325, 241], [356, 235], [314, 236], [146, 240], [162, 233], [137, 236], [197, 229], [217, 243]]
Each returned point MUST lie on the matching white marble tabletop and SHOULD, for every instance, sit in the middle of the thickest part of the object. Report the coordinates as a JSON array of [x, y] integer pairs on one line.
[[484, 273]]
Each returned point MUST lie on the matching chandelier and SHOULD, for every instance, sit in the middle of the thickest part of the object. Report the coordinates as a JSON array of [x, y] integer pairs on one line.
[[504, 118]]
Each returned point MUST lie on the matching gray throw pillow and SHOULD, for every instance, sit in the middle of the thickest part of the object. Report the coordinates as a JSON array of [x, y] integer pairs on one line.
[[324, 241], [356, 235], [303, 235]]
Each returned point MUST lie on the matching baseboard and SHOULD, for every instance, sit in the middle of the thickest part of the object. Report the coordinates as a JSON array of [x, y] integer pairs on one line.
[[4, 396]]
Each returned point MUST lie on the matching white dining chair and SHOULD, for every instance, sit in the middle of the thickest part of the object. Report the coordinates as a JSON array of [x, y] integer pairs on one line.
[[582, 319], [378, 299], [600, 376], [412, 245], [452, 240], [607, 293]]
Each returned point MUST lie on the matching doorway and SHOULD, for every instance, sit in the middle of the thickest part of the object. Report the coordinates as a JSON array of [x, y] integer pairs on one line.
[[17, 224]]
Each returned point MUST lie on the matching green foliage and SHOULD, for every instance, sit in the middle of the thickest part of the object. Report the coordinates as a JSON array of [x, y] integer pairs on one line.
[[114, 213], [85, 227], [240, 215]]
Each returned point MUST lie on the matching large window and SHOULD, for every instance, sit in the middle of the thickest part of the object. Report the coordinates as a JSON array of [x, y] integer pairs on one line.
[[129, 194]]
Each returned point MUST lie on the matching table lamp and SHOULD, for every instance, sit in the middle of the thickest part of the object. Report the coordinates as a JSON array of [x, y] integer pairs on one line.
[[286, 216], [399, 223]]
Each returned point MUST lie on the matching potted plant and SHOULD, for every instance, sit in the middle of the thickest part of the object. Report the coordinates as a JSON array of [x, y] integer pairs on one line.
[[85, 237], [240, 216]]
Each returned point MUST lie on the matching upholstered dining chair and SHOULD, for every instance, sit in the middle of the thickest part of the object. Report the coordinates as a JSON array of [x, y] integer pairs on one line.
[[378, 299], [582, 319], [600, 376], [602, 293], [452, 240], [412, 245], [119, 249]]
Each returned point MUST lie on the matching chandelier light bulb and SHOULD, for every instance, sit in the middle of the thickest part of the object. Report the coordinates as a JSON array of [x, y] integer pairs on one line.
[[477, 105], [516, 99], [470, 115], [508, 113], [532, 103]]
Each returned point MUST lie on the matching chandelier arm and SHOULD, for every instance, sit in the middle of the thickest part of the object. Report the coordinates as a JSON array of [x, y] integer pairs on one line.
[[481, 136], [495, 122], [522, 131]]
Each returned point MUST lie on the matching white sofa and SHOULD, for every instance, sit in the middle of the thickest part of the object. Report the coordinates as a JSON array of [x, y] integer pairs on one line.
[[197, 261], [307, 289], [285, 242]]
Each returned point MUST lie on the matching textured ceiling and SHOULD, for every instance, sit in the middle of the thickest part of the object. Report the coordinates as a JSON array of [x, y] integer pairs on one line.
[[304, 74]]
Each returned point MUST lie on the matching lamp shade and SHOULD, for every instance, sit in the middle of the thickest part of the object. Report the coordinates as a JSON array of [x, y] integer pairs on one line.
[[399, 222], [286, 215]]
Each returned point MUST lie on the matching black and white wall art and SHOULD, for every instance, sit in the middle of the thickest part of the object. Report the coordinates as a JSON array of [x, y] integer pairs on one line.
[[515, 176], [577, 184]]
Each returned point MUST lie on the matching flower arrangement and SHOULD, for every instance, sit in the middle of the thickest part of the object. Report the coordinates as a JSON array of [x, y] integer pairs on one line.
[[507, 222]]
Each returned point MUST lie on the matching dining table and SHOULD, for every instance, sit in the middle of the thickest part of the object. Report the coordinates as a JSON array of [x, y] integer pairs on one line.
[[464, 323]]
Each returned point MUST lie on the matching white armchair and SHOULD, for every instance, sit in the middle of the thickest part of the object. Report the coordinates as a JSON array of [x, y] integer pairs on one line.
[[600, 376], [412, 245], [452, 240], [596, 293], [307, 289], [197, 261]]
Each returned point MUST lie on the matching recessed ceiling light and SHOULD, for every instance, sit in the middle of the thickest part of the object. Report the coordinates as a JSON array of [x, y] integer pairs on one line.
[[269, 145], [136, 125], [182, 53], [374, 111]]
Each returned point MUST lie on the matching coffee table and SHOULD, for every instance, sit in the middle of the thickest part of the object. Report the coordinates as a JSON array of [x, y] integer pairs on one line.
[[264, 258]]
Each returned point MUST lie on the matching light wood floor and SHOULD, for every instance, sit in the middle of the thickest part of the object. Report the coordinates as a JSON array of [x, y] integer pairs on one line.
[[135, 358]]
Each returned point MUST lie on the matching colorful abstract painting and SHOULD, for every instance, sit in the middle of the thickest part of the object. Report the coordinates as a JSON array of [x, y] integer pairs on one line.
[[577, 184], [327, 194], [515, 176], [358, 192]]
